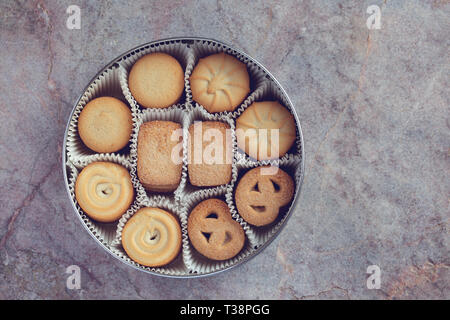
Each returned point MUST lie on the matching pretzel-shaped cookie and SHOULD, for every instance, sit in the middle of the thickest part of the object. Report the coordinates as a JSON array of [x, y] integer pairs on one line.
[[259, 197], [213, 232]]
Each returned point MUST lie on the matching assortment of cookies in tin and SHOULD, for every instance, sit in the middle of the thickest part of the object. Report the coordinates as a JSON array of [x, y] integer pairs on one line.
[[183, 157]]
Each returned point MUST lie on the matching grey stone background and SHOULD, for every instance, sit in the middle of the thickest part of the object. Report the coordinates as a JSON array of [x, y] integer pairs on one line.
[[374, 109]]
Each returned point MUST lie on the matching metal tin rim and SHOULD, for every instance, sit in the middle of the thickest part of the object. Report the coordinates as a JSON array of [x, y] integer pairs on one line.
[[298, 187]]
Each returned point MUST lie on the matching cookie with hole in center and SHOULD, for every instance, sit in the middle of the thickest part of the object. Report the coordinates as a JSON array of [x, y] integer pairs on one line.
[[261, 192], [104, 191], [152, 237], [213, 232]]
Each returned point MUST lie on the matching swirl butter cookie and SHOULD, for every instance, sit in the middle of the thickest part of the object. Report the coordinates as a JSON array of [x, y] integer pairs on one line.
[[156, 80], [104, 191], [260, 195], [220, 82], [265, 130], [213, 232], [105, 124], [152, 237]]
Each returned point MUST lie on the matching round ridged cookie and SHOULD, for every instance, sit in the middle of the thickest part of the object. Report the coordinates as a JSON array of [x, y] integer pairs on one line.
[[104, 191], [265, 130], [261, 192], [213, 232], [105, 124], [220, 82], [156, 80], [152, 237]]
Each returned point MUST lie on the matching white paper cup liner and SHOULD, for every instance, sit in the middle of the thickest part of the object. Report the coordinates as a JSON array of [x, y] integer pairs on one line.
[[258, 78], [106, 84], [104, 232], [260, 235], [175, 267]]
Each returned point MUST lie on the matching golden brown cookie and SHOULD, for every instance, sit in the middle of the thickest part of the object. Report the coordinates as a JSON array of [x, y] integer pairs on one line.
[[152, 237], [260, 195], [209, 154], [159, 155], [265, 130], [105, 124], [220, 82], [104, 191], [213, 232], [156, 80]]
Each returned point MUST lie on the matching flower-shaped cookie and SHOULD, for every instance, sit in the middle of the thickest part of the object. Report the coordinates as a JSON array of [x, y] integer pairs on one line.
[[152, 237], [104, 191], [220, 82]]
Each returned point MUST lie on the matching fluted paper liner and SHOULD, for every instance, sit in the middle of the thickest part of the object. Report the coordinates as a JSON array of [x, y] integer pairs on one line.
[[197, 114], [269, 92], [174, 113], [113, 81], [261, 235], [104, 232], [106, 84], [258, 78], [176, 49]]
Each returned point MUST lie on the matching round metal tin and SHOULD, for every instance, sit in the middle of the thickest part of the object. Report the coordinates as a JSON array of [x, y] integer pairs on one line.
[[298, 183]]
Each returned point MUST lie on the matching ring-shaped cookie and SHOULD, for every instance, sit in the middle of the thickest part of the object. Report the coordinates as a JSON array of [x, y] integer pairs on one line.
[[152, 237], [104, 191]]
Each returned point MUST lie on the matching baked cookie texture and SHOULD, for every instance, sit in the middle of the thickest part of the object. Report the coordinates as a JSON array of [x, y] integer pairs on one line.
[[152, 237], [159, 155], [209, 153], [213, 232], [260, 196], [104, 191], [105, 124], [220, 82], [265, 130], [156, 80]]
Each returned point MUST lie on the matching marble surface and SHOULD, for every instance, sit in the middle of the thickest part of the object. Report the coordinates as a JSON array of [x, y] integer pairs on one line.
[[374, 109]]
